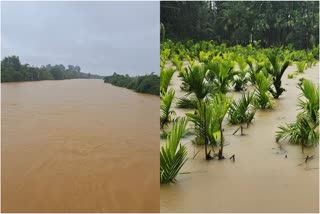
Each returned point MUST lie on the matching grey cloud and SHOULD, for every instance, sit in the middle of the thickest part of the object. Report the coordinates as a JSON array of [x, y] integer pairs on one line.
[[100, 37]]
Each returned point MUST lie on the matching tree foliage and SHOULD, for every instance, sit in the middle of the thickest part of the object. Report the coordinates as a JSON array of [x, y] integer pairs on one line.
[[273, 23], [149, 83], [13, 71]]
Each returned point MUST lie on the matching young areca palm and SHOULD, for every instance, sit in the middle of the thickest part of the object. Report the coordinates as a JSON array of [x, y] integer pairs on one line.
[[276, 69], [190, 60], [165, 107], [165, 78], [263, 98], [254, 68], [240, 80], [309, 60], [220, 104], [188, 102], [301, 66], [177, 62], [204, 56], [305, 130], [310, 102], [204, 124], [208, 122], [301, 132], [164, 56], [242, 111], [193, 81], [221, 74], [173, 156]]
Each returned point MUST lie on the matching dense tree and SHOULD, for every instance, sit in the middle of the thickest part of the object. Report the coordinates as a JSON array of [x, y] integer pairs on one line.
[[57, 72], [149, 83], [243, 22], [13, 71]]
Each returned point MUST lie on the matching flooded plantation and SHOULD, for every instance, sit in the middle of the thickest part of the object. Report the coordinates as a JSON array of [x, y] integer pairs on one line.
[[265, 176]]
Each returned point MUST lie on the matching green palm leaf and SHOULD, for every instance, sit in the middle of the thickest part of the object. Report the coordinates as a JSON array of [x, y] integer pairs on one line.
[[243, 110], [173, 158], [165, 78], [193, 81], [310, 103], [165, 107]]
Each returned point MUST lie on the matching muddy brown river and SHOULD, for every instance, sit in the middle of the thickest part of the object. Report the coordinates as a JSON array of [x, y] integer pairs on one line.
[[78, 146], [261, 179]]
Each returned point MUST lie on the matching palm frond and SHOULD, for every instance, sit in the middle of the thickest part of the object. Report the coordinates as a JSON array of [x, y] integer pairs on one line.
[[177, 62], [276, 69], [165, 107], [301, 66], [243, 110], [220, 74], [263, 98], [165, 78], [188, 102], [193, 81], [173, 157], [300, 132], [309, 99], [305, 130]]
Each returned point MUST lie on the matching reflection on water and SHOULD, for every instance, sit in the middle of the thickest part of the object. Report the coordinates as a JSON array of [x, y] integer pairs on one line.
[[261, 179], [79, 146]]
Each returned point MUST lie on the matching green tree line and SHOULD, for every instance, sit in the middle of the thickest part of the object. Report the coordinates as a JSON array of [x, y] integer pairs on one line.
[[273, 23], [149, 83], [13, 71]]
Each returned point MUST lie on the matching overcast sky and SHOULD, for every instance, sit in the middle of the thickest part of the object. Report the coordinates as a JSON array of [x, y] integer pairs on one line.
[[100, 37]]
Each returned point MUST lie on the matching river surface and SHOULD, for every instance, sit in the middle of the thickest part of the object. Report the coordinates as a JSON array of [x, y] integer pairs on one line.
[[261, 179], [78, 146]]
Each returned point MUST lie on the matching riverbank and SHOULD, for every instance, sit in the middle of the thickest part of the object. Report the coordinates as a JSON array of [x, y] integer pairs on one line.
[[13, 71], [148, 84]]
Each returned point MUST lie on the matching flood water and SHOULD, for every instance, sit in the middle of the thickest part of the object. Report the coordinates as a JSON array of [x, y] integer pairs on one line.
[[78, 146], [261, 179]]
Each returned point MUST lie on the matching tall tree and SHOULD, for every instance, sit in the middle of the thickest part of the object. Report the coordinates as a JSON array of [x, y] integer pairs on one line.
[[242, 22]]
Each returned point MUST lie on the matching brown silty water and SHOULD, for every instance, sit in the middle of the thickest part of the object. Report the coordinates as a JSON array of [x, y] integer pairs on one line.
[[78, 146], [261, 179]]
